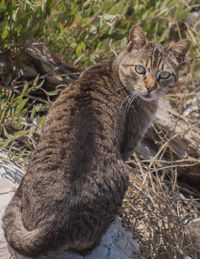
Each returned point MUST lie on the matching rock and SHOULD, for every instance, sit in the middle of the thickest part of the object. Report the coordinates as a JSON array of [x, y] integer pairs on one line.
[[6, 193], [49, 65]]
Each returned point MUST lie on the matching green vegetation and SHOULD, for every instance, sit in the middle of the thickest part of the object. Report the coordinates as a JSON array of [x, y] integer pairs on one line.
[[87, 30], [81, 33]]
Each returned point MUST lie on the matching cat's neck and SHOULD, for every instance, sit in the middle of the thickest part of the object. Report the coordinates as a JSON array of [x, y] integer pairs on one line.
[[122, 124], [137, 118]]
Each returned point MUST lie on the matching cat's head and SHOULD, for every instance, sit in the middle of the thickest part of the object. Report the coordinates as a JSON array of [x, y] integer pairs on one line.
[[146, 69]]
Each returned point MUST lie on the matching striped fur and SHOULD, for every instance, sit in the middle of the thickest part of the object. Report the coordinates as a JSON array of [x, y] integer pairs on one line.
[[76, 177]]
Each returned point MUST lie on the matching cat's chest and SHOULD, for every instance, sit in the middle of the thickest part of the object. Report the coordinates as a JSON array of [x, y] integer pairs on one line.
[[138, 120]]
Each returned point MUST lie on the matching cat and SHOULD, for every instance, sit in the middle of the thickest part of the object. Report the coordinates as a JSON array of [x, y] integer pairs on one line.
[[76, 177]]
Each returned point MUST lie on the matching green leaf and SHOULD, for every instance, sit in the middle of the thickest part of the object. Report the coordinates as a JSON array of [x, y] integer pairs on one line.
[[4, 34], [119, 8], [41, 120], [124, 42], [182, 13], [33, 113], [21, 105], [4, 144], [83, 46], [21, 133], [95, 8], [108, 17], [192, 36], [24, 90], [52, 93], [74, 10], [80, 48], [107, 5], [40, 84], [60, 26], [2, 5], [2, 114], [77, 18], [36, 80]]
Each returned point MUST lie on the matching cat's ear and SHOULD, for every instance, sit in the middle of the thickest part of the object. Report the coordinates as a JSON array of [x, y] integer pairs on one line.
[[136, 38], [179, 49]]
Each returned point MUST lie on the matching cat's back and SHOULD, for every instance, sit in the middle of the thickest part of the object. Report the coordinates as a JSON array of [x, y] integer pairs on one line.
[[76, 149], [80, 112]]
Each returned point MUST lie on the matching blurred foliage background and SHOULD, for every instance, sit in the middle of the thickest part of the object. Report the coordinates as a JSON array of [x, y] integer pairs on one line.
[[80, 33]]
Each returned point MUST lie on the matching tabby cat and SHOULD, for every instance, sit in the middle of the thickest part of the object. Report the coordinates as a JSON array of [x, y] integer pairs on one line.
[[76, 177]]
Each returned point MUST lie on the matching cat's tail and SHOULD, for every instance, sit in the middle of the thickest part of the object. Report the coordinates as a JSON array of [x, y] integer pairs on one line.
[[28, 243]]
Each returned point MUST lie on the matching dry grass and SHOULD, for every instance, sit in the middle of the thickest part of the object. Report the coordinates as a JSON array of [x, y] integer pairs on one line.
[[158, 208], [157, 214]]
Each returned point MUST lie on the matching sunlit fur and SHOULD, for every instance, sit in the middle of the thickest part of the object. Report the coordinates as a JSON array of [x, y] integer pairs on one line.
[[155, 59], [76, 177]]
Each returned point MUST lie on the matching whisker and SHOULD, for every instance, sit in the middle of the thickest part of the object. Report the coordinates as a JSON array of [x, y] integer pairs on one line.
[[128, 102], [132, 98], [127, 97]]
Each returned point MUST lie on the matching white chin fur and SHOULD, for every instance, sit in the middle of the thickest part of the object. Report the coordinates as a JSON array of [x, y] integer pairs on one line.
[[147, 96]]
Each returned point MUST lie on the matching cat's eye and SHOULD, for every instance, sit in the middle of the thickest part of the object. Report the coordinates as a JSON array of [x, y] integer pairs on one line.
[[140, 69], [164, 75]]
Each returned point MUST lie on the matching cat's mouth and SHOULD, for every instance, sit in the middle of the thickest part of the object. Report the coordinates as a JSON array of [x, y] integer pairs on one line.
[[147, 96]]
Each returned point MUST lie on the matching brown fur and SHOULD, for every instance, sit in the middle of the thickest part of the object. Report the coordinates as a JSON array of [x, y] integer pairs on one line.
[[76, 177]]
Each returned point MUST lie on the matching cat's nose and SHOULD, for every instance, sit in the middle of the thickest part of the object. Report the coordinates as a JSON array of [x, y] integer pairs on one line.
[[150, 83], [150, 88]]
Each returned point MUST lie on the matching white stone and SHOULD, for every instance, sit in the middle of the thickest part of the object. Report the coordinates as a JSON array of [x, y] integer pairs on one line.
[[6, 193]]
